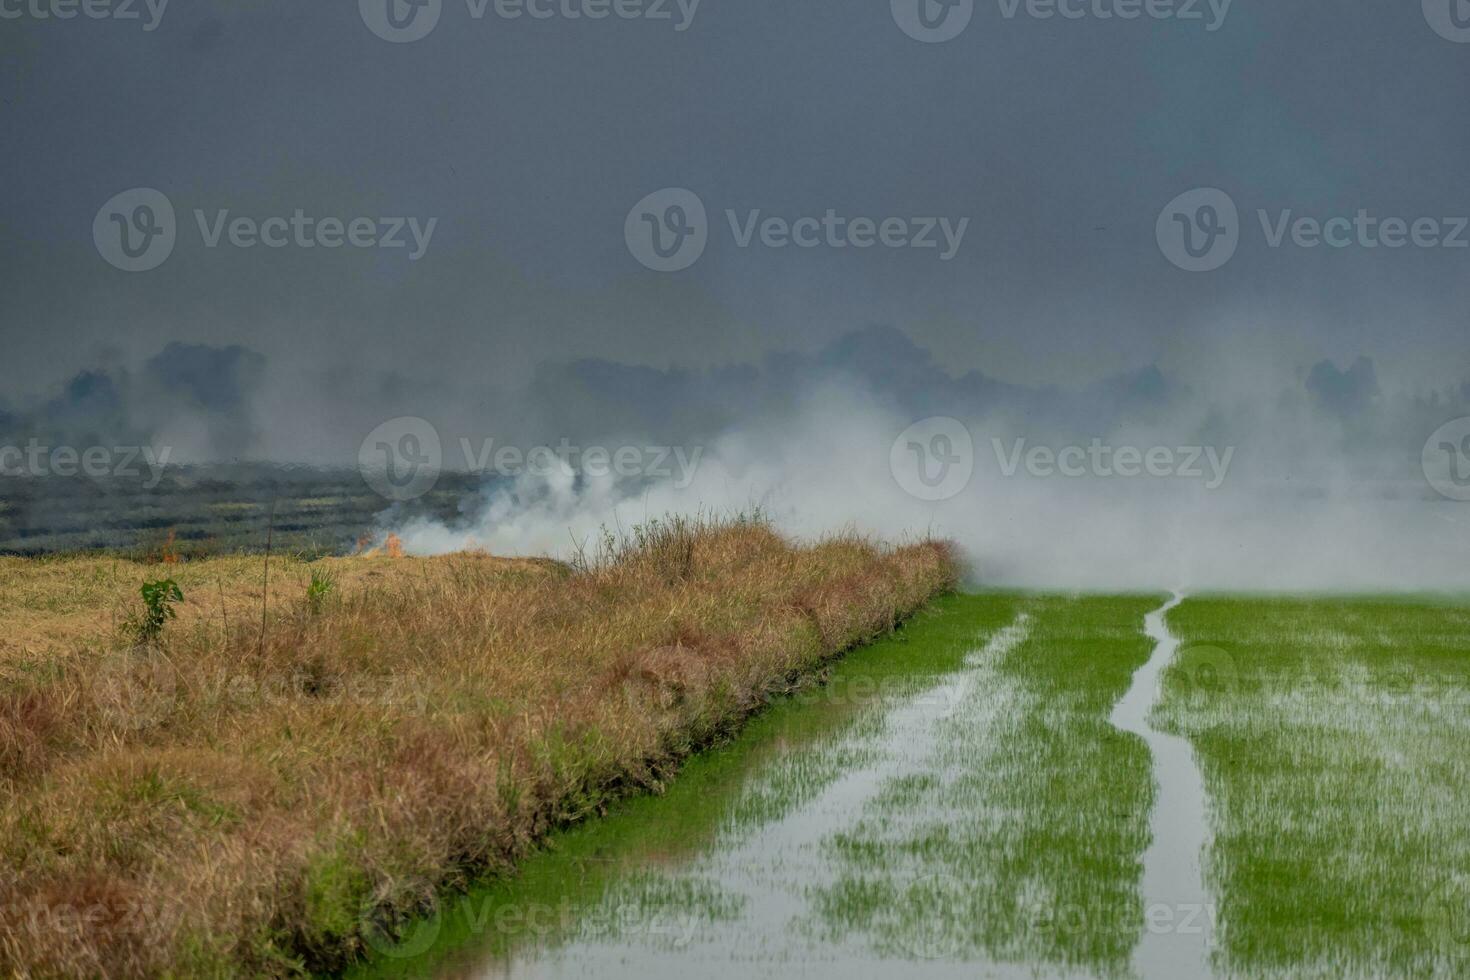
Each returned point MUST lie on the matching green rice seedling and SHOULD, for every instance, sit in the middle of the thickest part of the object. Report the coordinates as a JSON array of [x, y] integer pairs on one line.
[[321, 586], [158, 608], [1331, 735]]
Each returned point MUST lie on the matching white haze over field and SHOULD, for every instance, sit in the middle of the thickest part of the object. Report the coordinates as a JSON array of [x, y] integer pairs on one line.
[[1309, 475], [1284, 517]]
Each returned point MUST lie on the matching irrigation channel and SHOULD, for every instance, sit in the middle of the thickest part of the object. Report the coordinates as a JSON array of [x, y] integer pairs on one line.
[[1179, 917], [826, 839]]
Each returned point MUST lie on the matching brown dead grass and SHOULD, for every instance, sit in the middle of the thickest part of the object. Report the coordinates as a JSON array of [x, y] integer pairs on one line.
[[219, 807], [54, 607]]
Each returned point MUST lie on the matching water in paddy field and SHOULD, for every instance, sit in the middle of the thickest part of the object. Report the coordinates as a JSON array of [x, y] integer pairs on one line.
[[1179, 916], [764, 876], [751, 865]]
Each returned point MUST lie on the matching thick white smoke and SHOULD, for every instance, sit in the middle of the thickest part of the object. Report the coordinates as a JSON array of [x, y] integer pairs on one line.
[[1288, 513]]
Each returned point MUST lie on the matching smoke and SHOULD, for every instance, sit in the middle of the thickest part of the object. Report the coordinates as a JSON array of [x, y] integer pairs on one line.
[[196, 400], [1245, 475], [1295, 498]]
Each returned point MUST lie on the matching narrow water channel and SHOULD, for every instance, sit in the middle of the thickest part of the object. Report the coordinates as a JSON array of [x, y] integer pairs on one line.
[[1179, 917]]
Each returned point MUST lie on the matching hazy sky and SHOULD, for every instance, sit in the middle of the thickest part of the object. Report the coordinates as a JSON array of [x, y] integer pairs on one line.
[[529, 140], [776, 234]]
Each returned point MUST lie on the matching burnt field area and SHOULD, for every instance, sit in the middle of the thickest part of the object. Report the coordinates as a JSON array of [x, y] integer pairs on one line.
[[196, 511]]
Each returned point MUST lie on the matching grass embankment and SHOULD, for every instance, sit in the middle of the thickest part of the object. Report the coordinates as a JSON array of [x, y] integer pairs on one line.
[[1331, 734], [223, 806], [687, 880]]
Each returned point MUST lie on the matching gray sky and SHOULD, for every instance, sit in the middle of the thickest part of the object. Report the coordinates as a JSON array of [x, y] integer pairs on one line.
[[530, 140], [1116, 204]]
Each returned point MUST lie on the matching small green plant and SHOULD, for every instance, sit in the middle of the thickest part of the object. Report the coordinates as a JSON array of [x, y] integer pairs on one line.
[[158, 608], [322, 584]]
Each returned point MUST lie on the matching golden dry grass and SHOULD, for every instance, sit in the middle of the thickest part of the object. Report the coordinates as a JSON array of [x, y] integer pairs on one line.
[[58, 606], [219, 806]]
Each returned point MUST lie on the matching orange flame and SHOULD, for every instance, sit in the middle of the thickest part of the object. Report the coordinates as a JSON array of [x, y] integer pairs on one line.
[[392, 547]]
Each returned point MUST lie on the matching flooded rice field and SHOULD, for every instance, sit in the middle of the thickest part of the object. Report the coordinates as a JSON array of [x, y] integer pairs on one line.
[[1019, 785]]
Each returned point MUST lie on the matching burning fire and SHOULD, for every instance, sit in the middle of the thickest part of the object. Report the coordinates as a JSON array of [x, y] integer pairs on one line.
[[392, 547]]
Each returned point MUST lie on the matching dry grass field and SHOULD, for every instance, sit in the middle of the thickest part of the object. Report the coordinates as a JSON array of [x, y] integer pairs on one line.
[[233, 800]]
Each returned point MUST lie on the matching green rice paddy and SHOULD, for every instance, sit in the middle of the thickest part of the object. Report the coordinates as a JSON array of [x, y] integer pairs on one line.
[[1334, 739]]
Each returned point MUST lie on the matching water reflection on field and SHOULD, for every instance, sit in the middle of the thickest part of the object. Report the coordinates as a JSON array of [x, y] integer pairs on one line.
[[904, 817]]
